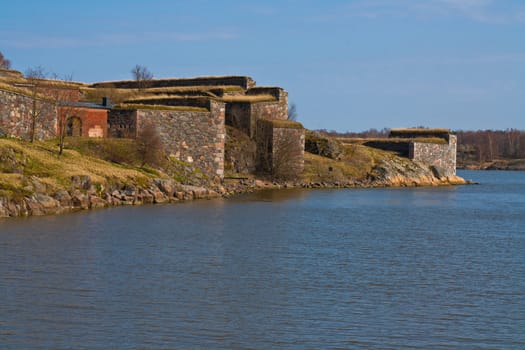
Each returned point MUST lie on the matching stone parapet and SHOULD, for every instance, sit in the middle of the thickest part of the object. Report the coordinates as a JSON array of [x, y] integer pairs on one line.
[[242, 81]]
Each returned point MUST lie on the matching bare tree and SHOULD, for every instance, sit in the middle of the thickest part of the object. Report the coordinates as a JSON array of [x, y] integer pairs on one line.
[[142, 76], [4, 62], [64, 97], [292, 112], [35, 76], [149, 146]]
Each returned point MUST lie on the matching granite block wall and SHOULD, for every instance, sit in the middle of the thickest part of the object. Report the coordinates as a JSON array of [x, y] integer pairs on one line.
[[238, 115], [15, 116], [122, 123], [280, 148], [442, 157], [244, 115], [194, 137]]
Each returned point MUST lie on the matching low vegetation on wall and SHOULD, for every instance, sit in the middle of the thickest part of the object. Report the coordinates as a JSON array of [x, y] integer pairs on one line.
[[130, 106]]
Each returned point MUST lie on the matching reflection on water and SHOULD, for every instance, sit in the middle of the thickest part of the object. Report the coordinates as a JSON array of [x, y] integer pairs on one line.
[[427, 268]]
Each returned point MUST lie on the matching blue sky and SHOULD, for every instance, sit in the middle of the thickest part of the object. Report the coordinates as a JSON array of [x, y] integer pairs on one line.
[[347, 65]]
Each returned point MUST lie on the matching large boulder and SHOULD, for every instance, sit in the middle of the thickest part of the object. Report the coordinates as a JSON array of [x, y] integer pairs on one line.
[[322, 145]]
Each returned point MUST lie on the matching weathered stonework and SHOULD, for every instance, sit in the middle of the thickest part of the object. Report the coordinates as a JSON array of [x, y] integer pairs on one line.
[[442, 157], [193, 137], [433, 147], [15, 116], [122, 123], [280, 148], [190, 122], [238, 115], [244, 115]]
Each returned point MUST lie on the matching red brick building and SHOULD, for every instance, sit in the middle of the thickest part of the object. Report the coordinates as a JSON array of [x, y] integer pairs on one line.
[[84, 119]]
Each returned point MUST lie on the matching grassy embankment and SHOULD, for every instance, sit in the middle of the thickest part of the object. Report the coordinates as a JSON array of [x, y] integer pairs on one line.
[[22, 162], [355, 164]]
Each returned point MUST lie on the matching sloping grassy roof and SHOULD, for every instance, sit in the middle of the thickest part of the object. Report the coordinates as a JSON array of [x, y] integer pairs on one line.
[[358, 140], [160, 107], [284, 124], [421, 131], [204, 89], [22, 91], [249, 98]]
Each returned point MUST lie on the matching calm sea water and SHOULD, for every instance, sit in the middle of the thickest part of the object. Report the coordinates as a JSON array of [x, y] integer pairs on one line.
[[426, 268]]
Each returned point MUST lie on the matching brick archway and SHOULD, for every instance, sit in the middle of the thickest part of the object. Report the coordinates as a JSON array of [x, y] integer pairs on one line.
[[74, 126]]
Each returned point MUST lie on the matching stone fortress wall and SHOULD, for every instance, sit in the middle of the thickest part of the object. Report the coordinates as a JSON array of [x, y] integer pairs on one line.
[[280, 147], [435, 147], [442, 157], [16, 120], [190, 116], [195, 137], [192, 123]]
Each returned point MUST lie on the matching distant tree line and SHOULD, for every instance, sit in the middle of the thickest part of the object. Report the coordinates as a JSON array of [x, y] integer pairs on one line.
[[370, 133], [489, 145]]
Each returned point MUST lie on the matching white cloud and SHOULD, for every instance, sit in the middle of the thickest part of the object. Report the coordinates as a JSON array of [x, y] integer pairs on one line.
[[31, 40], [486, 11]]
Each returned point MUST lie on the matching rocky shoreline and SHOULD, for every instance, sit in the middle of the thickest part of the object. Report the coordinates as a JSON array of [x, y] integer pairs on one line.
[[87, 196]]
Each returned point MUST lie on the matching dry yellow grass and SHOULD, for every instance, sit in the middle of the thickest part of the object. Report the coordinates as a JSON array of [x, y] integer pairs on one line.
[[356, 165], [206, 88], [249, 98], [161, 107], [90, 94], [11, 88], [41, 160], [358, 140], [419, 131], [283, 123]]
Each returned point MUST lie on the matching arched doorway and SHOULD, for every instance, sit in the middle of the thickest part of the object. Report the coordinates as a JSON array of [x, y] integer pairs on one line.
[[74, 126]]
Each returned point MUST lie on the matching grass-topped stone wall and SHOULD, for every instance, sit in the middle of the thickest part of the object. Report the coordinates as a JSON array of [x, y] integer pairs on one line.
[[243, 112], [242, 81], [413, 133]]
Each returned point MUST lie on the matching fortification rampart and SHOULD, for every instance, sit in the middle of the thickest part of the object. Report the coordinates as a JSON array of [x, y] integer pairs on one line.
[[244, 115], [190, 119], [401, 148], [244, 82], [199, 102], [434, 147]]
